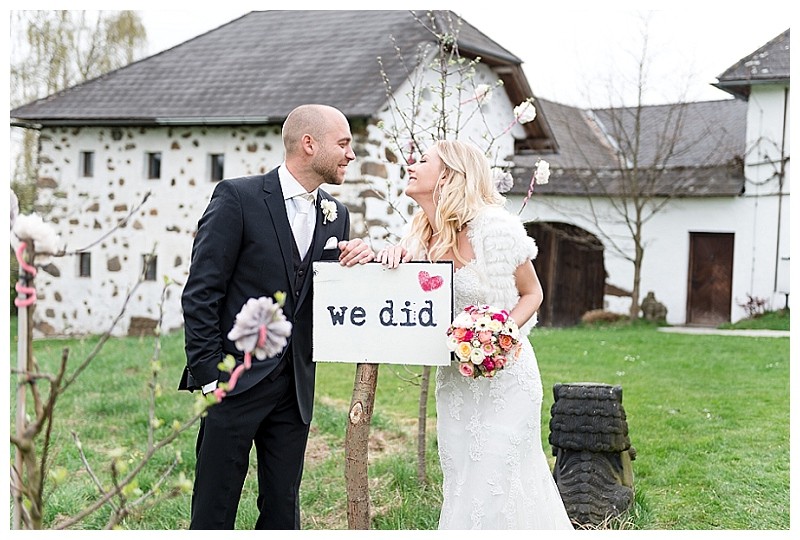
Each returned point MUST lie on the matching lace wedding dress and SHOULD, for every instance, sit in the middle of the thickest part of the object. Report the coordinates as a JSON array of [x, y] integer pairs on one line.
[[496, 475]]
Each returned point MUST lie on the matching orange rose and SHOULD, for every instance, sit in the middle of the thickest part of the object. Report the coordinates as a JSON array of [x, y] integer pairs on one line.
[[505, 341]]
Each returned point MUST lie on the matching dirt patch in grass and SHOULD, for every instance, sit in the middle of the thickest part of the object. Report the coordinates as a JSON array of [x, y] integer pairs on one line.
[[335, 520], [382, 442], [317, 449]]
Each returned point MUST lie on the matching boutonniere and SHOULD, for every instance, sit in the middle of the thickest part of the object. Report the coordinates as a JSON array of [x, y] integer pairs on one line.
[[328, 211]]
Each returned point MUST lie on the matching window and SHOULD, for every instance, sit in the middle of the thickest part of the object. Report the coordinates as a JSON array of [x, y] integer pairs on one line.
[[84, 265], [153, 165], [217, 167], [149, 267], [87, 164]]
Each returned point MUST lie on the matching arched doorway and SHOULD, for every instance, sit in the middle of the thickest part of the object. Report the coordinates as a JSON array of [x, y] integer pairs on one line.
[[570, 267]]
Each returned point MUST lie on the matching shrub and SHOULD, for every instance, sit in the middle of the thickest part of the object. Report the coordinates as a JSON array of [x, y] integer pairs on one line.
[[754, 306], [601, 316]]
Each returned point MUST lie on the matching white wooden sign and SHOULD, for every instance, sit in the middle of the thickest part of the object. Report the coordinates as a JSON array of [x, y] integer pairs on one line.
[[373, 315]]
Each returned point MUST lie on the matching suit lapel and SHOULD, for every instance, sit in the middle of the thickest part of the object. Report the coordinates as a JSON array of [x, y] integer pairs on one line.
[[277, 211]]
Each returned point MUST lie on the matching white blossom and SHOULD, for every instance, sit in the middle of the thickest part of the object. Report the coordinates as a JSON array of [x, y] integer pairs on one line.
[[31, 229], [483, 93], [525, 112], [255, 314], [503, 180], [542, 173]]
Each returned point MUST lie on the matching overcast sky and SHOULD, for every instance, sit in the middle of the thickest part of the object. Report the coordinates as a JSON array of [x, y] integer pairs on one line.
[[571, 54]]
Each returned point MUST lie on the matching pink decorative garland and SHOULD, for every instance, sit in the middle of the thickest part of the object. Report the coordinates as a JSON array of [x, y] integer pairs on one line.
[[219, 393], [29, 292]]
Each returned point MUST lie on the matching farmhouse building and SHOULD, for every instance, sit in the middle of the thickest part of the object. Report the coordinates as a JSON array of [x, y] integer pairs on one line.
[[142, 147]]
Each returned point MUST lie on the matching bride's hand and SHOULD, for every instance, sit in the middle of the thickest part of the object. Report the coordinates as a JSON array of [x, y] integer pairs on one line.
[[392, 256]]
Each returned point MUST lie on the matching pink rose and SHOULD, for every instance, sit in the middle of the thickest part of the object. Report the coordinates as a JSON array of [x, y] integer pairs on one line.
[[488, 364], [466, 369], [485, 336], [459, 333], [501, 316]]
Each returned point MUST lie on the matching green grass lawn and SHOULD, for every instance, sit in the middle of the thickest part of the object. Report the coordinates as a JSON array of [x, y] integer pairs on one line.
[[771, 320], [707, 415]]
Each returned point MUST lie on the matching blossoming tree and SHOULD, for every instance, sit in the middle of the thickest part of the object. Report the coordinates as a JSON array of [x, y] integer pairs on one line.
[[444, 97], [35, 242]]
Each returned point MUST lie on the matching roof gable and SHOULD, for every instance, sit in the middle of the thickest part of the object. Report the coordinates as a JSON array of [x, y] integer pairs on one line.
[[768, 64]]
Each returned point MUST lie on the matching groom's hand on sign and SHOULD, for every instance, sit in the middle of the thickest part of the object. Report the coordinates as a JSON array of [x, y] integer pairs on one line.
[[392, 256], [355, 251]]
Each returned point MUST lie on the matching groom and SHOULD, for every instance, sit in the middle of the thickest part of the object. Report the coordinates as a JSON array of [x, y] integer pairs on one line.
[[252, 241]]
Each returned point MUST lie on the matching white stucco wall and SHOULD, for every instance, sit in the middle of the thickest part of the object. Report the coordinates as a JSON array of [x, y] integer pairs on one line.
[[768, 145]]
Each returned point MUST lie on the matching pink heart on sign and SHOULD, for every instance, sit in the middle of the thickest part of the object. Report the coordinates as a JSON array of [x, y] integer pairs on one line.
[[429, 282]]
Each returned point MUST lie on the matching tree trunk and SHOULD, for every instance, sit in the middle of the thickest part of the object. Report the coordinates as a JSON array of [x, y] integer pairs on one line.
[[22, 355], [27, 485], [637, 276], [422, 423], [356, 451]]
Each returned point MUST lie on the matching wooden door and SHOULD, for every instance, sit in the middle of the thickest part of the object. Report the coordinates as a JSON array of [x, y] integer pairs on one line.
[[571, 269], [710, 278]]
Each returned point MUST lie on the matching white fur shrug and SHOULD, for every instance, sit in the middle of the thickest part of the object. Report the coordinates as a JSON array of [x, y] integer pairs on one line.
[[501, 244]]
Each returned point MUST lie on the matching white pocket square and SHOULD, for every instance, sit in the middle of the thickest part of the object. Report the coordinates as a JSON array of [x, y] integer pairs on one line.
[[331, 243]]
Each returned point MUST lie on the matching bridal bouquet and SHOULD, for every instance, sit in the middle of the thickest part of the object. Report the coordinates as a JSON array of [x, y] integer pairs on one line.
[[484, 340]]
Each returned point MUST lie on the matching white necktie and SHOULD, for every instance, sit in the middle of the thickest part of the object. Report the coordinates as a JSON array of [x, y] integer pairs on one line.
[[303, 222]]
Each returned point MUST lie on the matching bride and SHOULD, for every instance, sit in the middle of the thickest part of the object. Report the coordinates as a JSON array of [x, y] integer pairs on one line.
[[495, 472]]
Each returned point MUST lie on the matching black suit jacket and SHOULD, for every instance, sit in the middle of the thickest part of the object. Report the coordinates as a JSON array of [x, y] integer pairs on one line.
[[242, 250]]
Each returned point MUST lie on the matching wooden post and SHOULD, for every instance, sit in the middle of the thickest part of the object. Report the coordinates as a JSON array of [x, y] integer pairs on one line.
[[24, 363], [356, 446], [422, 425]]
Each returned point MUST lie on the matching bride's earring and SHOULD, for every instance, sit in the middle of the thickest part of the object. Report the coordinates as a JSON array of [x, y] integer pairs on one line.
[[437, 191]]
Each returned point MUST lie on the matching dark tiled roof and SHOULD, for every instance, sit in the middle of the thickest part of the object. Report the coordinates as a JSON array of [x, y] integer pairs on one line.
[[704, 133], [768, 64], [258, 67], [709, 145]]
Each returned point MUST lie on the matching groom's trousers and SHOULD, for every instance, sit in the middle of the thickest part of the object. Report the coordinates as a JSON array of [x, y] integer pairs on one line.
[[266, 415]]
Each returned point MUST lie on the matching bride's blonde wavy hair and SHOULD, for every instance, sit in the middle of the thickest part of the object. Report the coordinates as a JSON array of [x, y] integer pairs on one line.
[[467, 188]]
